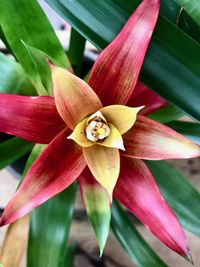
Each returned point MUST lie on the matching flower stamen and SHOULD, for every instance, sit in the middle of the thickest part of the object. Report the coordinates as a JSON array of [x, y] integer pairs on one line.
[[97, 128]]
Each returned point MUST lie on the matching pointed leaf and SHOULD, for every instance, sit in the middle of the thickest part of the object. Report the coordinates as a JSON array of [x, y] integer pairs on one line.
[[151, 140], [133, 243], [137, 191], [49, 230], [74, 98], [104, 164], [42, 34], [189, 129], [14, 244], [40, 73], [117, 67], [97, 204], [32, 118], [167, 114], [143, 96], [12, 145], [168, 45], [181, 195], [55, 169]]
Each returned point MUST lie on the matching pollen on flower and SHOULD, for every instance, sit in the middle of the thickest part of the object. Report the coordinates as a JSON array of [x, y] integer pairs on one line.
[[97, 128]]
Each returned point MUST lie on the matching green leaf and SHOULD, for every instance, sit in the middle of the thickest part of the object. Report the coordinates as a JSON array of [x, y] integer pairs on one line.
[[76, 51], [36, 151], [50, 224], [30, 24], [166, 114], [179, 193], [70, 255], [175, 12], [131, 240], [13, 149], [168, 69], [13, 79], [97, 204], [49, 229], [3, 39], [189, 129], [40, 74], [192, 7]]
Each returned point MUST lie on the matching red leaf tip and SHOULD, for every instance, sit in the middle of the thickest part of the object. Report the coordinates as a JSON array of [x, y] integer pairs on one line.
[[189, 258]]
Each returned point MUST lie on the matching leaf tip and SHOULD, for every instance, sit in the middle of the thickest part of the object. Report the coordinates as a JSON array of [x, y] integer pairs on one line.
[[189, 258]]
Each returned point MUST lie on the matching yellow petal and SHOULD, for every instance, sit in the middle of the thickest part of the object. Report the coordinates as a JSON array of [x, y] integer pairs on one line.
[[114, 139], [78, 135], [122, 117], [104, 164], [74, 98]]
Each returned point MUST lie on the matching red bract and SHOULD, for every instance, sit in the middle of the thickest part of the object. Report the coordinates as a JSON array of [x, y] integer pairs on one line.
[[80, 132]]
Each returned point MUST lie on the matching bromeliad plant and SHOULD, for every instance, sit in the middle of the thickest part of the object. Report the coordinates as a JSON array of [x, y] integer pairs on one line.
[[98, 134]]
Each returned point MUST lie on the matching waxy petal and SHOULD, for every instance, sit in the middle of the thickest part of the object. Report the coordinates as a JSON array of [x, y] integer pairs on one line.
[[53, 171], [122, 117], [116, 70], [97, 204], [104, 164], [78, 135], [32, 118], [114, 139], [142, 95], [149, 139], [136, 190], [74, 98]]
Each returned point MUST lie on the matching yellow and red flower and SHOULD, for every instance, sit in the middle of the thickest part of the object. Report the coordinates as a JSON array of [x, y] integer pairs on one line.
[[93, 137]]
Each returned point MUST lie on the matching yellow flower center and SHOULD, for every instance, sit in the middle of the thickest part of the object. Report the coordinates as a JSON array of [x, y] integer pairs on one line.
[[97, 128]]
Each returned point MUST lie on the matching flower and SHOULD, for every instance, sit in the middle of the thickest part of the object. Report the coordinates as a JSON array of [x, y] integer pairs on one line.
[[88, 129]]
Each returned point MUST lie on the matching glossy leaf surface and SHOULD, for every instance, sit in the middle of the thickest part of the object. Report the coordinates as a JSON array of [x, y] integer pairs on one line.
[[179, 193], [13, 79], [151, 140], [97, 205], [37, 32], [45, 178], [76, 51], [189, 129], [137, 190], [167, 69], [49, 230], [12, 150], [32, 118], [166, 114], [117, 68], [131, 240], [192, 7]]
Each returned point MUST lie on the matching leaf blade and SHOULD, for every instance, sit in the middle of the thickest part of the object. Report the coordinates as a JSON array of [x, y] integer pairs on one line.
[[132, 242], [14, 144], [184, 201], [168, 45]]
